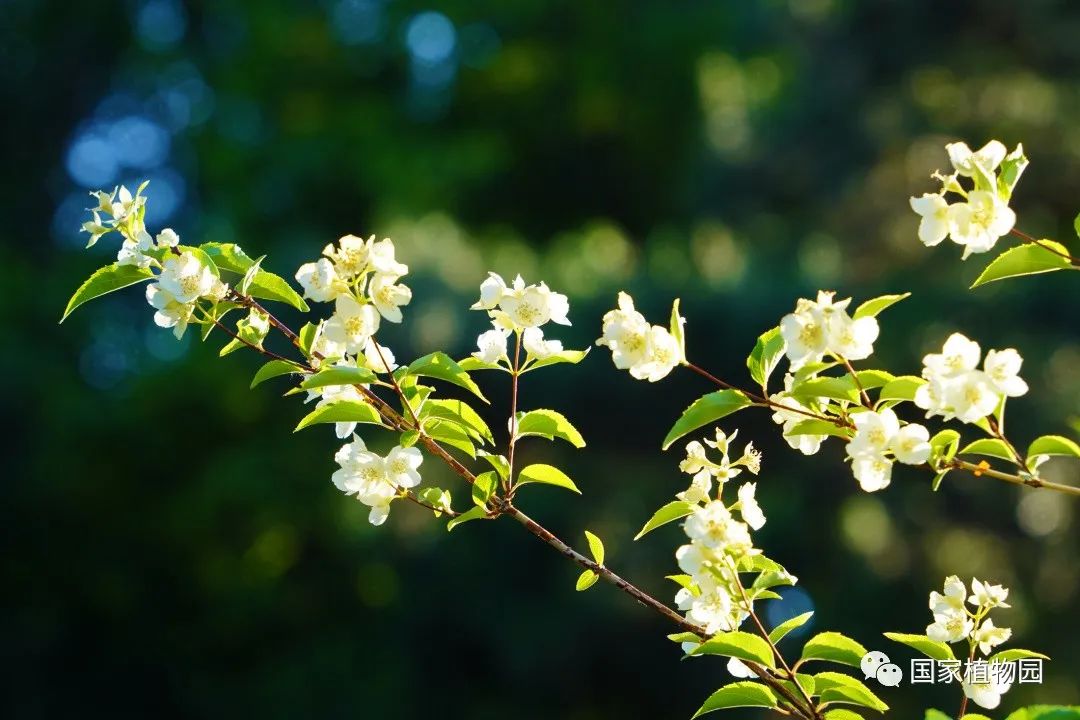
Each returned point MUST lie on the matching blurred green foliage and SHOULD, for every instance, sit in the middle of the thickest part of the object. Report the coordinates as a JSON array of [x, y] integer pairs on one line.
[[171, 548]]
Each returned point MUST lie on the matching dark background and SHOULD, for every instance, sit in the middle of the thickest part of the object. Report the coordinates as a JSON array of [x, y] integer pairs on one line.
[[170, 548]]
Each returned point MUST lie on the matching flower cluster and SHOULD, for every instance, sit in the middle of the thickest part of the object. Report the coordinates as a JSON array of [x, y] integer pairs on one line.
[[183, 281], [984, 215], [955, 388], [361, 278], [823, 327], [711, 597], [955, 621], [879, 435], [123, 212], [648, 352], [791, 413], [521, 309], [376, 480]]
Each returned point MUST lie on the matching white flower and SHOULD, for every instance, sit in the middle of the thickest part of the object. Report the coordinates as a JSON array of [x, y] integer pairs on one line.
[[987, 595], [972, 396], [713, 611], [491, 292], [873, 432], [361, 470], [533, 305], [968, 163], [664, 355], [1003, 368], [978, 223], [953, 598], [739, 669], [626, 332], [170, 313], [874, 472], [696, 460], [934, 226], [911, 444], [852, 339], [749, 508], [167, 238], [491, 346], [382, 260], [320, 281], [401, 465], [700, 487], [949, 627], [350, 257], [989, 637], [958, 355], [352, 323], [379, 357], [713, 526], [185, 278], [133, 251], [532, 339], [805, 335], [94, 228], [388, 297], [986, 695]]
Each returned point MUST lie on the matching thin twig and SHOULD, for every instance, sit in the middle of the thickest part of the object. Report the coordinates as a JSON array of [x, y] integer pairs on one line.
[[1035, 241]]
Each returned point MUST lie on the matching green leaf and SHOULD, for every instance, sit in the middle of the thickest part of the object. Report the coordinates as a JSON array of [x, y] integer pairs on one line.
[[739, 694], [705, 410], [596, 547], [901, 388], [307, 336], [409, 438], [870, 379], [678, 328], [833, 647], [484, 487], [450, 433], [264, 285], [1009, 172], [765, 356], [836, 388], [203, 257], [441, 366], [843, 714], [778, 632], [872, 307], [684, 637], [1026, 259], [818, 427], [566, 356], [476, 513], [1046, 712], [341, 411], [501, 465], [273, 369], [740, 645], [546, 474], [586, 580], [943, 445], [682, 580], [1053, 445], [835, 687], [435, 496], [930, 648], [672, 511], [991, 447], [106, 280], [548, 424], [249, 276], [1016, 654], [459, 412], [471, 363], [932, 714], [338, 375]]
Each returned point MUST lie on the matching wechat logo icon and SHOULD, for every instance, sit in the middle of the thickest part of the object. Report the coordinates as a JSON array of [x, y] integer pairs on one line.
[[875, 664]]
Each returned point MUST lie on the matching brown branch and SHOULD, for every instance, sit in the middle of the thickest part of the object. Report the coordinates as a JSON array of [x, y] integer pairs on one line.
[[854, 376], [1030, 481], [1035, 241]]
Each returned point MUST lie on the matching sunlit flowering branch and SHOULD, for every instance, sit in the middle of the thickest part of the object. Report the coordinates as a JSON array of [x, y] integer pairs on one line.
[[982, 681], [819, 337], [980, 214], [353, 380]]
